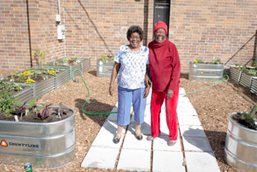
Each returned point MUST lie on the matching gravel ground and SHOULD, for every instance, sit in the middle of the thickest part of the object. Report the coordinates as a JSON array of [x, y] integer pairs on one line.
[[211, 100]]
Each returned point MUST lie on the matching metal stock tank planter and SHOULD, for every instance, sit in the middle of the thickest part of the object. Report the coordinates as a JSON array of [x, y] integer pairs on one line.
[[241, 146], [44, 143], [104, 66], [205, 71]]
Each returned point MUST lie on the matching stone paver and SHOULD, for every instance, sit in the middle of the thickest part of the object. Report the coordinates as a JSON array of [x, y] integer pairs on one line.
[[132, 160], [131, 142], [105, 136], [192, 152], [199, 144], [201, 161], [101, 157], [166, 161]]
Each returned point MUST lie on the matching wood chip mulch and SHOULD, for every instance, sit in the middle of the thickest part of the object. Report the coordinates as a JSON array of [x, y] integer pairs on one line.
[[212, 102]]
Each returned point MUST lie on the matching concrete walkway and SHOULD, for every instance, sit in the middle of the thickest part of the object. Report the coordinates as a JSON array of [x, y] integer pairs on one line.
[[191, 153]]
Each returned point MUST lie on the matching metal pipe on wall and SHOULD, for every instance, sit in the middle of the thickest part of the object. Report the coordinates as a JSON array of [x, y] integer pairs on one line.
[[59, 6], [29, 34]]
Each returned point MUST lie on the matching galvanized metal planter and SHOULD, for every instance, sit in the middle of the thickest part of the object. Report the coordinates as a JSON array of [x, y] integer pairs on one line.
[[235, 74], [49, 144], [77, 69], [24, 95], [241, 146], [85, 64], [74, 70], [104, 68], [42, 87], [202, 71], [61, 78], [253, 87], [246, 80]]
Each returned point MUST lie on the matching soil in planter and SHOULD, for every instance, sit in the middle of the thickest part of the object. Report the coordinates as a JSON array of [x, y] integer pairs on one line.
[[50, 114], [246, 120]]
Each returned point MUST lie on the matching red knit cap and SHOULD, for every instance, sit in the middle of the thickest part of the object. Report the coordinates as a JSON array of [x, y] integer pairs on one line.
[[160, 24]]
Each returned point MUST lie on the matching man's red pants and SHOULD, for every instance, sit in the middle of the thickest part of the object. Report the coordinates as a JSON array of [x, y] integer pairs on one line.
[[171, 113]]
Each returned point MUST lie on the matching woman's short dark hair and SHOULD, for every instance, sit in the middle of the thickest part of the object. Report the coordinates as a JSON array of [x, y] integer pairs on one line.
[[133, 29]]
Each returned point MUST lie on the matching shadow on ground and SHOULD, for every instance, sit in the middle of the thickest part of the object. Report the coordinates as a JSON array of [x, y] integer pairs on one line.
[[215, 138], [184, 75], [95, 110], [92, 72]]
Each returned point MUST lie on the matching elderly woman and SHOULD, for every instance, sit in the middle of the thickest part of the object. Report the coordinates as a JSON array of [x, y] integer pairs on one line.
[[130, 67], [165, 74]]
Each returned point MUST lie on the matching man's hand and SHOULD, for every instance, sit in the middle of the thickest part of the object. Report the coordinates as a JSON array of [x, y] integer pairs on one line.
[[169, 93]]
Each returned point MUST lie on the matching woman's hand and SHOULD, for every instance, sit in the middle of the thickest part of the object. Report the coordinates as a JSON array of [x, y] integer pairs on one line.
[[169, 93], [147, 90], [111, 89], [115, 70]]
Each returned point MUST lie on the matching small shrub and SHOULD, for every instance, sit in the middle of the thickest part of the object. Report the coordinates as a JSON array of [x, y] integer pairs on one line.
[[247, 119]]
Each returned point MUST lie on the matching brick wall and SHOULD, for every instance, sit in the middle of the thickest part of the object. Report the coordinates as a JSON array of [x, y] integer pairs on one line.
[[99, 27], [14, 49], [207, 29], [15, 38], [43, 29], [200, 29]]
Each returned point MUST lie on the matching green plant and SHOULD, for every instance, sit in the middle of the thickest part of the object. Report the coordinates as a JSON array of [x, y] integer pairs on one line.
[[254, 64], [71, 60], [216, 61], [196, 61], [248, 119], [39, 56], [31, 76], [106, 58], [9, 86], [7, 102]]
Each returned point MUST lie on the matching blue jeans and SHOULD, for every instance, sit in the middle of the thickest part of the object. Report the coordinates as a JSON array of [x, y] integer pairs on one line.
[[126, 97]]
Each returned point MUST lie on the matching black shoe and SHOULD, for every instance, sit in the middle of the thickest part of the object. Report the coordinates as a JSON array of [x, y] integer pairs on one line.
[[116, 140], [139, 137], [149, 138]]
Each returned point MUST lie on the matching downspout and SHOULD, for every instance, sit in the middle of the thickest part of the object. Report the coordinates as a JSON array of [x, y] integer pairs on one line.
[[59, 13], [59, 7], [29, 34]]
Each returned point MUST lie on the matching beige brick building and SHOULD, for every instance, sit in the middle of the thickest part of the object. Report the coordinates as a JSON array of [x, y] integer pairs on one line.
[[200, 28]]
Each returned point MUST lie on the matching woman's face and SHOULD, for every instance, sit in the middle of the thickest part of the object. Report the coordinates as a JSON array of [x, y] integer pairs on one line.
[[135, 40], [160, 35]]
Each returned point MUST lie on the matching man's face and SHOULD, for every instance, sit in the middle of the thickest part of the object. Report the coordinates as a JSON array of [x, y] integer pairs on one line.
[[160, 35]]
